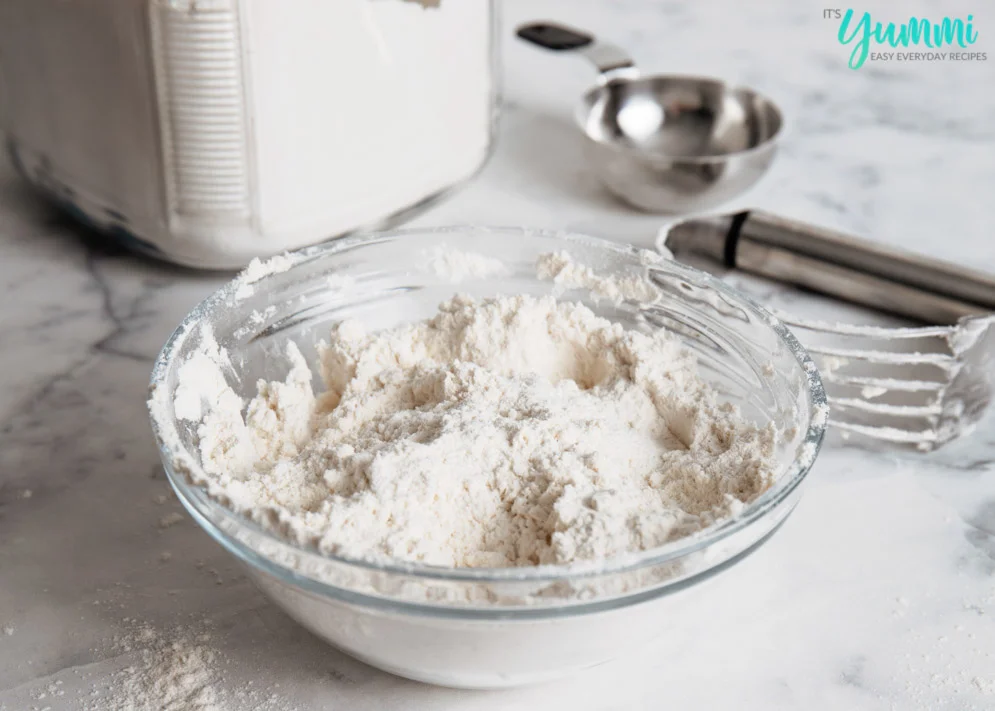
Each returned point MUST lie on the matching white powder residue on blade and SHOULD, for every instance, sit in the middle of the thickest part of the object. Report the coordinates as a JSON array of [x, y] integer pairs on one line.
[[457, 266], [565, 273], [869, 392], [510, 431], [968, 332], [829, 365]]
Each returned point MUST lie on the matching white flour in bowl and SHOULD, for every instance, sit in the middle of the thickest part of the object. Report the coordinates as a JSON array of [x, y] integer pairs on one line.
[[511, 431]]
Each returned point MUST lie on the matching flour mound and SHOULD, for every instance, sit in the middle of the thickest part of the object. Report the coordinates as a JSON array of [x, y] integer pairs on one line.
[[511, 431]]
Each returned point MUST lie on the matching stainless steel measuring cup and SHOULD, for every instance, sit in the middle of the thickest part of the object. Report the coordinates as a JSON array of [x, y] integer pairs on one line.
[[666, 143]]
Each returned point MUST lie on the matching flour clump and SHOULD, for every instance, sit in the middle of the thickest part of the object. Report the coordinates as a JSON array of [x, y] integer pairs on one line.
[[510, 431]]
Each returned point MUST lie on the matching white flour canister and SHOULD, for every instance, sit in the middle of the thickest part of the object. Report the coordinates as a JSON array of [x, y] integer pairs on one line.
[[209, 132]]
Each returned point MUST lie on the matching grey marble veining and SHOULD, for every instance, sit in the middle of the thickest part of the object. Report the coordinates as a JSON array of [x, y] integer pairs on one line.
[[879, 592]]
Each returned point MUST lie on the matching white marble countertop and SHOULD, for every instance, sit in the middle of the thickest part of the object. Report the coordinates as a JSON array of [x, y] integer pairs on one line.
[[878, 593]]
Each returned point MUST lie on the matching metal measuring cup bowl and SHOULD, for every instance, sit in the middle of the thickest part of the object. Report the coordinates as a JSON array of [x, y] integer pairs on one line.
[[666, 143]]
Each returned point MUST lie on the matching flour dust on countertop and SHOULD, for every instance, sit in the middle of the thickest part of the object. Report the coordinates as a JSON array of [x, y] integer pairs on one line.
[[175, 670]]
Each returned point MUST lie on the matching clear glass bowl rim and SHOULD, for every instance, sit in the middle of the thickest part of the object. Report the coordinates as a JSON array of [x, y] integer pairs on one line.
[[787, 481]]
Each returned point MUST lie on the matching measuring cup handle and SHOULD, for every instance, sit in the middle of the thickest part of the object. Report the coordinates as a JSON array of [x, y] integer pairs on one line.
[[610, 60]]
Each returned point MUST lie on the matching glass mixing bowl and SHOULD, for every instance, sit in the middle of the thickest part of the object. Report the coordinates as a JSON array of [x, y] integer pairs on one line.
[[473, 627]]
